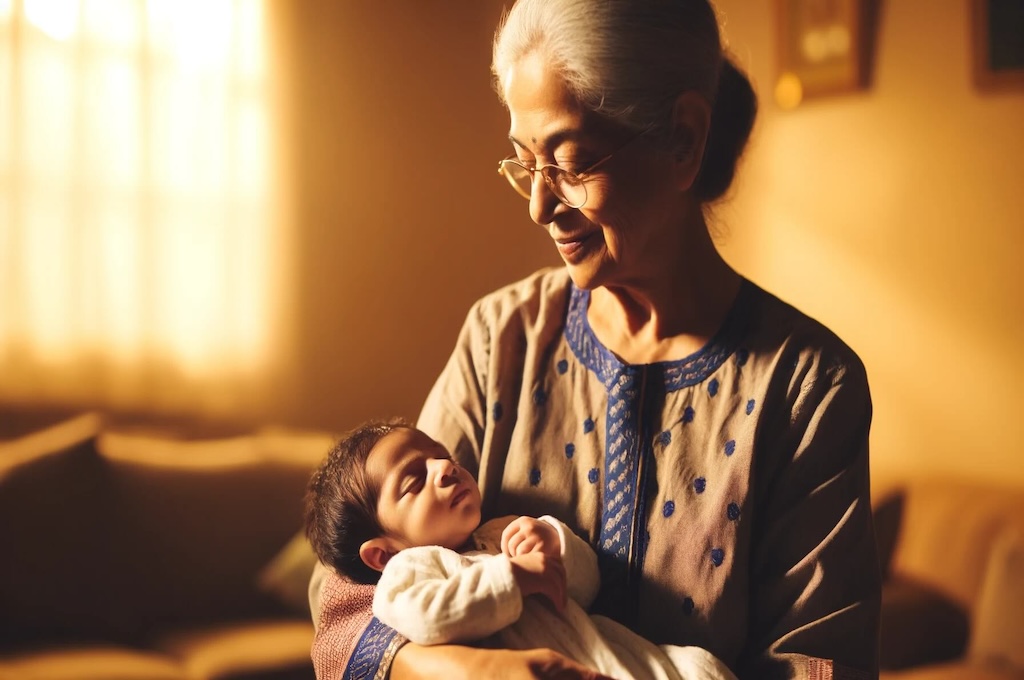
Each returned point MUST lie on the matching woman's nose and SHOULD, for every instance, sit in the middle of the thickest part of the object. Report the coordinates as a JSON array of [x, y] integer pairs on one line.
[[543, 201]]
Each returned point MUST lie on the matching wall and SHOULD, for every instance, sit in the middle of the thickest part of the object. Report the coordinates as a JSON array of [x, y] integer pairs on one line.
[[402, 218], [896, 216]]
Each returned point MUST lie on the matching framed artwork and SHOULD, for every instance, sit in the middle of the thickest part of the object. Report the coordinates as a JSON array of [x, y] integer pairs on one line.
[[998, 43], [824, 48]]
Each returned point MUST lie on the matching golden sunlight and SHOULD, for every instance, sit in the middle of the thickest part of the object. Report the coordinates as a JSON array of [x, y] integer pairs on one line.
[[56, 18], [136, 203]]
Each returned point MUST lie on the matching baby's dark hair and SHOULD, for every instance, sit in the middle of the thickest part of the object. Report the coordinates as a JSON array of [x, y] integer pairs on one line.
[[341, 501]]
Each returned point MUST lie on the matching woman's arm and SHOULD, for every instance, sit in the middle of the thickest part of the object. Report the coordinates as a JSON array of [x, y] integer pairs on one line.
[[415, 662], [815, 581]]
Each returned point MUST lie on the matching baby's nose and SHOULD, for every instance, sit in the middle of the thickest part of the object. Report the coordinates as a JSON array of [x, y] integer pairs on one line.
[[445, 471]]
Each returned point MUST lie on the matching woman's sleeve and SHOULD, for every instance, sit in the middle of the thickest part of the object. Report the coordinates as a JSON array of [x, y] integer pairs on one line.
[[815, 580], [454, 412], [349, 643], [435, 596]]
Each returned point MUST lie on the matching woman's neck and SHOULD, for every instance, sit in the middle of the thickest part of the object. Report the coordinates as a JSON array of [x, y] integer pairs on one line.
[[670, 313]]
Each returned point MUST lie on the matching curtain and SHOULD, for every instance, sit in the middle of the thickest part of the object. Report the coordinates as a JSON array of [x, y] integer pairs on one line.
[[141, 248]]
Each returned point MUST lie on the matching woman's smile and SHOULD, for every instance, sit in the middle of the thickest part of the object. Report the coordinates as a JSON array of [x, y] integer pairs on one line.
[[574, 249]]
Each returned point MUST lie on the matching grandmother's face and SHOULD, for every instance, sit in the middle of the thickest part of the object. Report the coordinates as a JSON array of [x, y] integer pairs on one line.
[[629, 223]]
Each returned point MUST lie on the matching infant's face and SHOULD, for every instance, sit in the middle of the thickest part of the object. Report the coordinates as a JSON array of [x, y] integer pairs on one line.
[[425, 498]]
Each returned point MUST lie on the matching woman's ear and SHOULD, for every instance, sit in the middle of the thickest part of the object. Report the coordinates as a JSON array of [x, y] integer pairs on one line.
[[691, 120], [376, 552]]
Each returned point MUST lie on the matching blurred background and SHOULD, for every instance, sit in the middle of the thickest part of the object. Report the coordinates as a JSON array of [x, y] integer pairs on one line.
[[247, 213]]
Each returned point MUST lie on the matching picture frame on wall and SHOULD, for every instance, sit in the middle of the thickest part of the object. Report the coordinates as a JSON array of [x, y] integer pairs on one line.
[[997, 38], [824, 48]]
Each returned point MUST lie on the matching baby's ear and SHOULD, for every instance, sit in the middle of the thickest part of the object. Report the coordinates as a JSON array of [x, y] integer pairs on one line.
[[376, 552]]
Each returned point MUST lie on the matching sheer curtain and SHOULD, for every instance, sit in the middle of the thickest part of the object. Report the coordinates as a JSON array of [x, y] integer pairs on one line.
[[140, 245]]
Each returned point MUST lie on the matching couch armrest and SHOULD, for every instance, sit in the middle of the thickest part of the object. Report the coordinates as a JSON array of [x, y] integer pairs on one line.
[[998, 635]]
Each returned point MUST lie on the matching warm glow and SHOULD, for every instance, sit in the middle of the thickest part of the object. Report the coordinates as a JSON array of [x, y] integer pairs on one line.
[[136, 205], [56, 18], [114, 22], [789, 91], [5, 8]]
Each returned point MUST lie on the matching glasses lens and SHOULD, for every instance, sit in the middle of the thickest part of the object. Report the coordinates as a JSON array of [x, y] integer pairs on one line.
[[568, 188], [518, 176]]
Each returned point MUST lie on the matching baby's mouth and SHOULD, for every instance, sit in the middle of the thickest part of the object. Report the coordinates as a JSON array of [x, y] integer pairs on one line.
[[458, 496]]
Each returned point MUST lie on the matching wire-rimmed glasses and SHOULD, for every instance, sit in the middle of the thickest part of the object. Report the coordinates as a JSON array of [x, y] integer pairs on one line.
[[567, 186]]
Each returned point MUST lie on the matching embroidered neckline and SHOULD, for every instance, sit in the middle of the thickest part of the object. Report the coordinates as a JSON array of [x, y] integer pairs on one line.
[[690, 370]]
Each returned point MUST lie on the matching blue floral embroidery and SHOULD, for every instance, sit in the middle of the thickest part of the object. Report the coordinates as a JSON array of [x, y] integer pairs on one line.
[[713, 387], [688, 415], [730, 447], [534, 476], [665, 438], [540, 397], [563, 366], [700, 484], [717, 556], [669, 508], [593, 475], [370, 650], [733, 512], [588, 426], [570, 449], [497, 411], [686, 372], [750, 407]]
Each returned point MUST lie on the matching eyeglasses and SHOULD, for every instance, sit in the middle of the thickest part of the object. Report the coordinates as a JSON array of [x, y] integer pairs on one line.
[[568, 187]]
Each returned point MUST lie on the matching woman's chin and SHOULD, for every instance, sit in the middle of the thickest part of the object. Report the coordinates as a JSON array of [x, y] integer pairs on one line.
[[586, 275]]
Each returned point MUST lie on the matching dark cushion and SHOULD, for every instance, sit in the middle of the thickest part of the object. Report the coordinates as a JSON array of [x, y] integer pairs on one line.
[[52, 536], [919, 625]]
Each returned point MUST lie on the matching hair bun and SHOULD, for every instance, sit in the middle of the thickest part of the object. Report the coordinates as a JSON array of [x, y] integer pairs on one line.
[[732, 120]]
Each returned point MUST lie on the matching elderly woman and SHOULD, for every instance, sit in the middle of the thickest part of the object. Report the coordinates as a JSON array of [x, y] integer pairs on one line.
[[709, 440]]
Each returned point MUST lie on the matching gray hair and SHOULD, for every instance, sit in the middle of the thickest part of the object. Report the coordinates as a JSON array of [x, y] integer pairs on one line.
[[628, 60]]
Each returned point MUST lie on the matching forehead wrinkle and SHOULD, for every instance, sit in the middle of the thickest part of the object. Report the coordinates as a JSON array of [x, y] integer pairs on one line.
[[553, 140]]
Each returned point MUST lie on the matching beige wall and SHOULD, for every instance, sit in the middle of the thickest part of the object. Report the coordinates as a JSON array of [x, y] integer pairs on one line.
[[402, 218], [895, 216]]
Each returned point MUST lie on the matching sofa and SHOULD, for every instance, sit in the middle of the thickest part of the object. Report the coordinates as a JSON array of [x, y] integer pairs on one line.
[[131, 555], [952, 554]]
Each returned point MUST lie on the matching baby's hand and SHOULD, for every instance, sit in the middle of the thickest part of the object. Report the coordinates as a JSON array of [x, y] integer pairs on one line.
[[536, 572], [526, 534]]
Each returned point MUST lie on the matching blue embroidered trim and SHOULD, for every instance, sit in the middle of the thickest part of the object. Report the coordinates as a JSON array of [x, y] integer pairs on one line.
[[621, 467], [370, 651], [677, 374]]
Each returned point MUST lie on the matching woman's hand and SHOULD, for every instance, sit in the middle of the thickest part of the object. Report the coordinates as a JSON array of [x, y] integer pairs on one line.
[[527, 534], [539, 573], [415, 662]]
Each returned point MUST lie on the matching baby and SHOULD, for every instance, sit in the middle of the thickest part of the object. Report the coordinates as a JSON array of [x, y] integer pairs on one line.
[[390, 506]]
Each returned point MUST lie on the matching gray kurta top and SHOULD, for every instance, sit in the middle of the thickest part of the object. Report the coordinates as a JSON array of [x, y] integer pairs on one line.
[[726, 494]]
